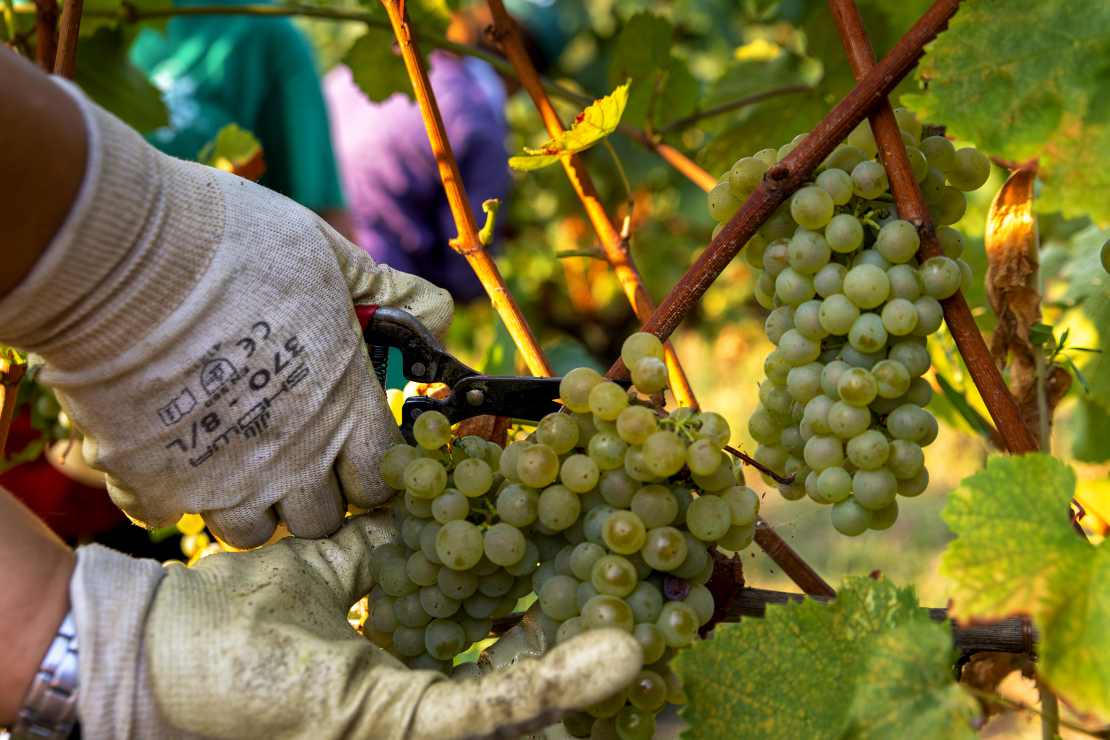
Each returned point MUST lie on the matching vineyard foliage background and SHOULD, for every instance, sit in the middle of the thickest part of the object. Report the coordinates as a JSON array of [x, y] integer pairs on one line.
[[1019, 79]]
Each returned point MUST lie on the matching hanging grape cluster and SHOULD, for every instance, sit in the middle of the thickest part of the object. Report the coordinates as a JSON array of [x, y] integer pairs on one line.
[[851, 308], [607, 513]]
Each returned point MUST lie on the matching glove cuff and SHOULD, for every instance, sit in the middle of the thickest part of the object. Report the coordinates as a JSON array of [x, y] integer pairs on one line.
[[126, 256], [111, 594]]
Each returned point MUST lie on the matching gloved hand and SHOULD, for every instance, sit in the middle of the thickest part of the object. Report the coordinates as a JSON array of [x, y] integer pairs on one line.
[[200, 332], [257, 645]]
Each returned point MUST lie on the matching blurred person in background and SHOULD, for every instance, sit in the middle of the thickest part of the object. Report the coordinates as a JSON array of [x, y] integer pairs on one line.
[[259, 73], [398, 207]]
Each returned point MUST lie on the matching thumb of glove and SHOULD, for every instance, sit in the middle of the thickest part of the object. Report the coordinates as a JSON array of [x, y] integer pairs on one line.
[[531, 694]]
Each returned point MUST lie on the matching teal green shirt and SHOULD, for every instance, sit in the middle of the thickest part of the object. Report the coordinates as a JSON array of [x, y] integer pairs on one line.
[[256, 72]]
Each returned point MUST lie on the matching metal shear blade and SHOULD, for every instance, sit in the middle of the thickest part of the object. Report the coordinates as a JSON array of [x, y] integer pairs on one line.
[[472, 393]]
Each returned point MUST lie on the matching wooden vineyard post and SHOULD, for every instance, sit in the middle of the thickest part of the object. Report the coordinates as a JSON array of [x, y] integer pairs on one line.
[[467, 243], [911, 207], [783, 178], [613, 243]]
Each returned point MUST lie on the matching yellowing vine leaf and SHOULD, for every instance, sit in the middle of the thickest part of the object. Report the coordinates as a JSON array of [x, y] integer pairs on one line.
[[1027, 78], [591, 126], [869, 665], [1016, 553], [234, 150]]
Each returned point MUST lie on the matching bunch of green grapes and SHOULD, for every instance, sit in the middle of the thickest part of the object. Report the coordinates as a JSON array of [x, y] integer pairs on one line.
[[851, 309], [456, 564], [622, 501]]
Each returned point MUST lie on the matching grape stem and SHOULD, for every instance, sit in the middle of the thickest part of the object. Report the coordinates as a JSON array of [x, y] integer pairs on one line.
[[788, 480]]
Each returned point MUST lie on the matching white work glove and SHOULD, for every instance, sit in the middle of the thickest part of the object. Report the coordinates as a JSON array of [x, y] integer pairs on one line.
[[200, 332], [257, 646]]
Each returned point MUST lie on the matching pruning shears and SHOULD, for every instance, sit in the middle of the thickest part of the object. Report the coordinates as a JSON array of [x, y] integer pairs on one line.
[[425, 361]]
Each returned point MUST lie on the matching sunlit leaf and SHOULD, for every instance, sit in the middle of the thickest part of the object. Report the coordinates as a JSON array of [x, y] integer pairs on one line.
[[234, 150], [1016, 553], [591, 126]]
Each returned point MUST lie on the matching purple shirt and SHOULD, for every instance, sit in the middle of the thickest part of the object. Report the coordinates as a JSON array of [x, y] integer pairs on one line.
[[392, 186]]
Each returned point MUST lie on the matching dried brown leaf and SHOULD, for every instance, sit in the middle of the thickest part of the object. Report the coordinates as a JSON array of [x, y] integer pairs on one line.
[[1012, 290], [985, 672], [490, 428]]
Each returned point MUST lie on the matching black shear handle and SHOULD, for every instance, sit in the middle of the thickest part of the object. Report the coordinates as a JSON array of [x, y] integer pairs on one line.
[[424, 359]]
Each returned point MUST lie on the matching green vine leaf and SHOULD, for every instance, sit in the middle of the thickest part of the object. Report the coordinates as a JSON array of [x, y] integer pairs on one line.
[[909, 692], [1016, 553], [1027, 78], [376, 68], [591, 126], [828, 672], [106, 74], [91, 23]]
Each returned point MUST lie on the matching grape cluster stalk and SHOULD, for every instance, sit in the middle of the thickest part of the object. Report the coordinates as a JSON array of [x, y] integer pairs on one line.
[[607, 513], [851, 309]]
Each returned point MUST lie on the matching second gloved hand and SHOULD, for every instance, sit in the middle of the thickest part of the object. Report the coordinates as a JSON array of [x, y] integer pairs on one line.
[[200, 332], [257, 645]]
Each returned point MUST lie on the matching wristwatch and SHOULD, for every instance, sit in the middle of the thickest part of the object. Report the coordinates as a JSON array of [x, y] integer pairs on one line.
[[50, 707]]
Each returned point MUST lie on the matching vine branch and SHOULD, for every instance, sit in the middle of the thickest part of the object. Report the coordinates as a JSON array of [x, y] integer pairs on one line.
[[911, 207], [66, 57], [1000, 637], [614, 243], [468, 243]]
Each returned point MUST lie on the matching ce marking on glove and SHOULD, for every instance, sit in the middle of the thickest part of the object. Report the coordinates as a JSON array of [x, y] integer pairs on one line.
[[218, 378]]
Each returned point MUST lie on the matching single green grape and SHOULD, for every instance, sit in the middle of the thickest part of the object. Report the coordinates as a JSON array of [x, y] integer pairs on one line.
[[575, 387], [614, 576], [608, 400], [473, 477], [708, 518], [579, 473], [604, 611], [869, 179], [664, 453], [849, 518], [623, 532], [649, 375], [432, 430], [559, 432], [678, 622], [558, 507], [812, 207], [640, 345], [459, 545], [636, 423], [538, 466], [970, 169], [394, 462]]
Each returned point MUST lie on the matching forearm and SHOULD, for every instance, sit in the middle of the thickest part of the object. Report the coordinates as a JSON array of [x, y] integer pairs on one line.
[[35, 569], [42, 162]]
